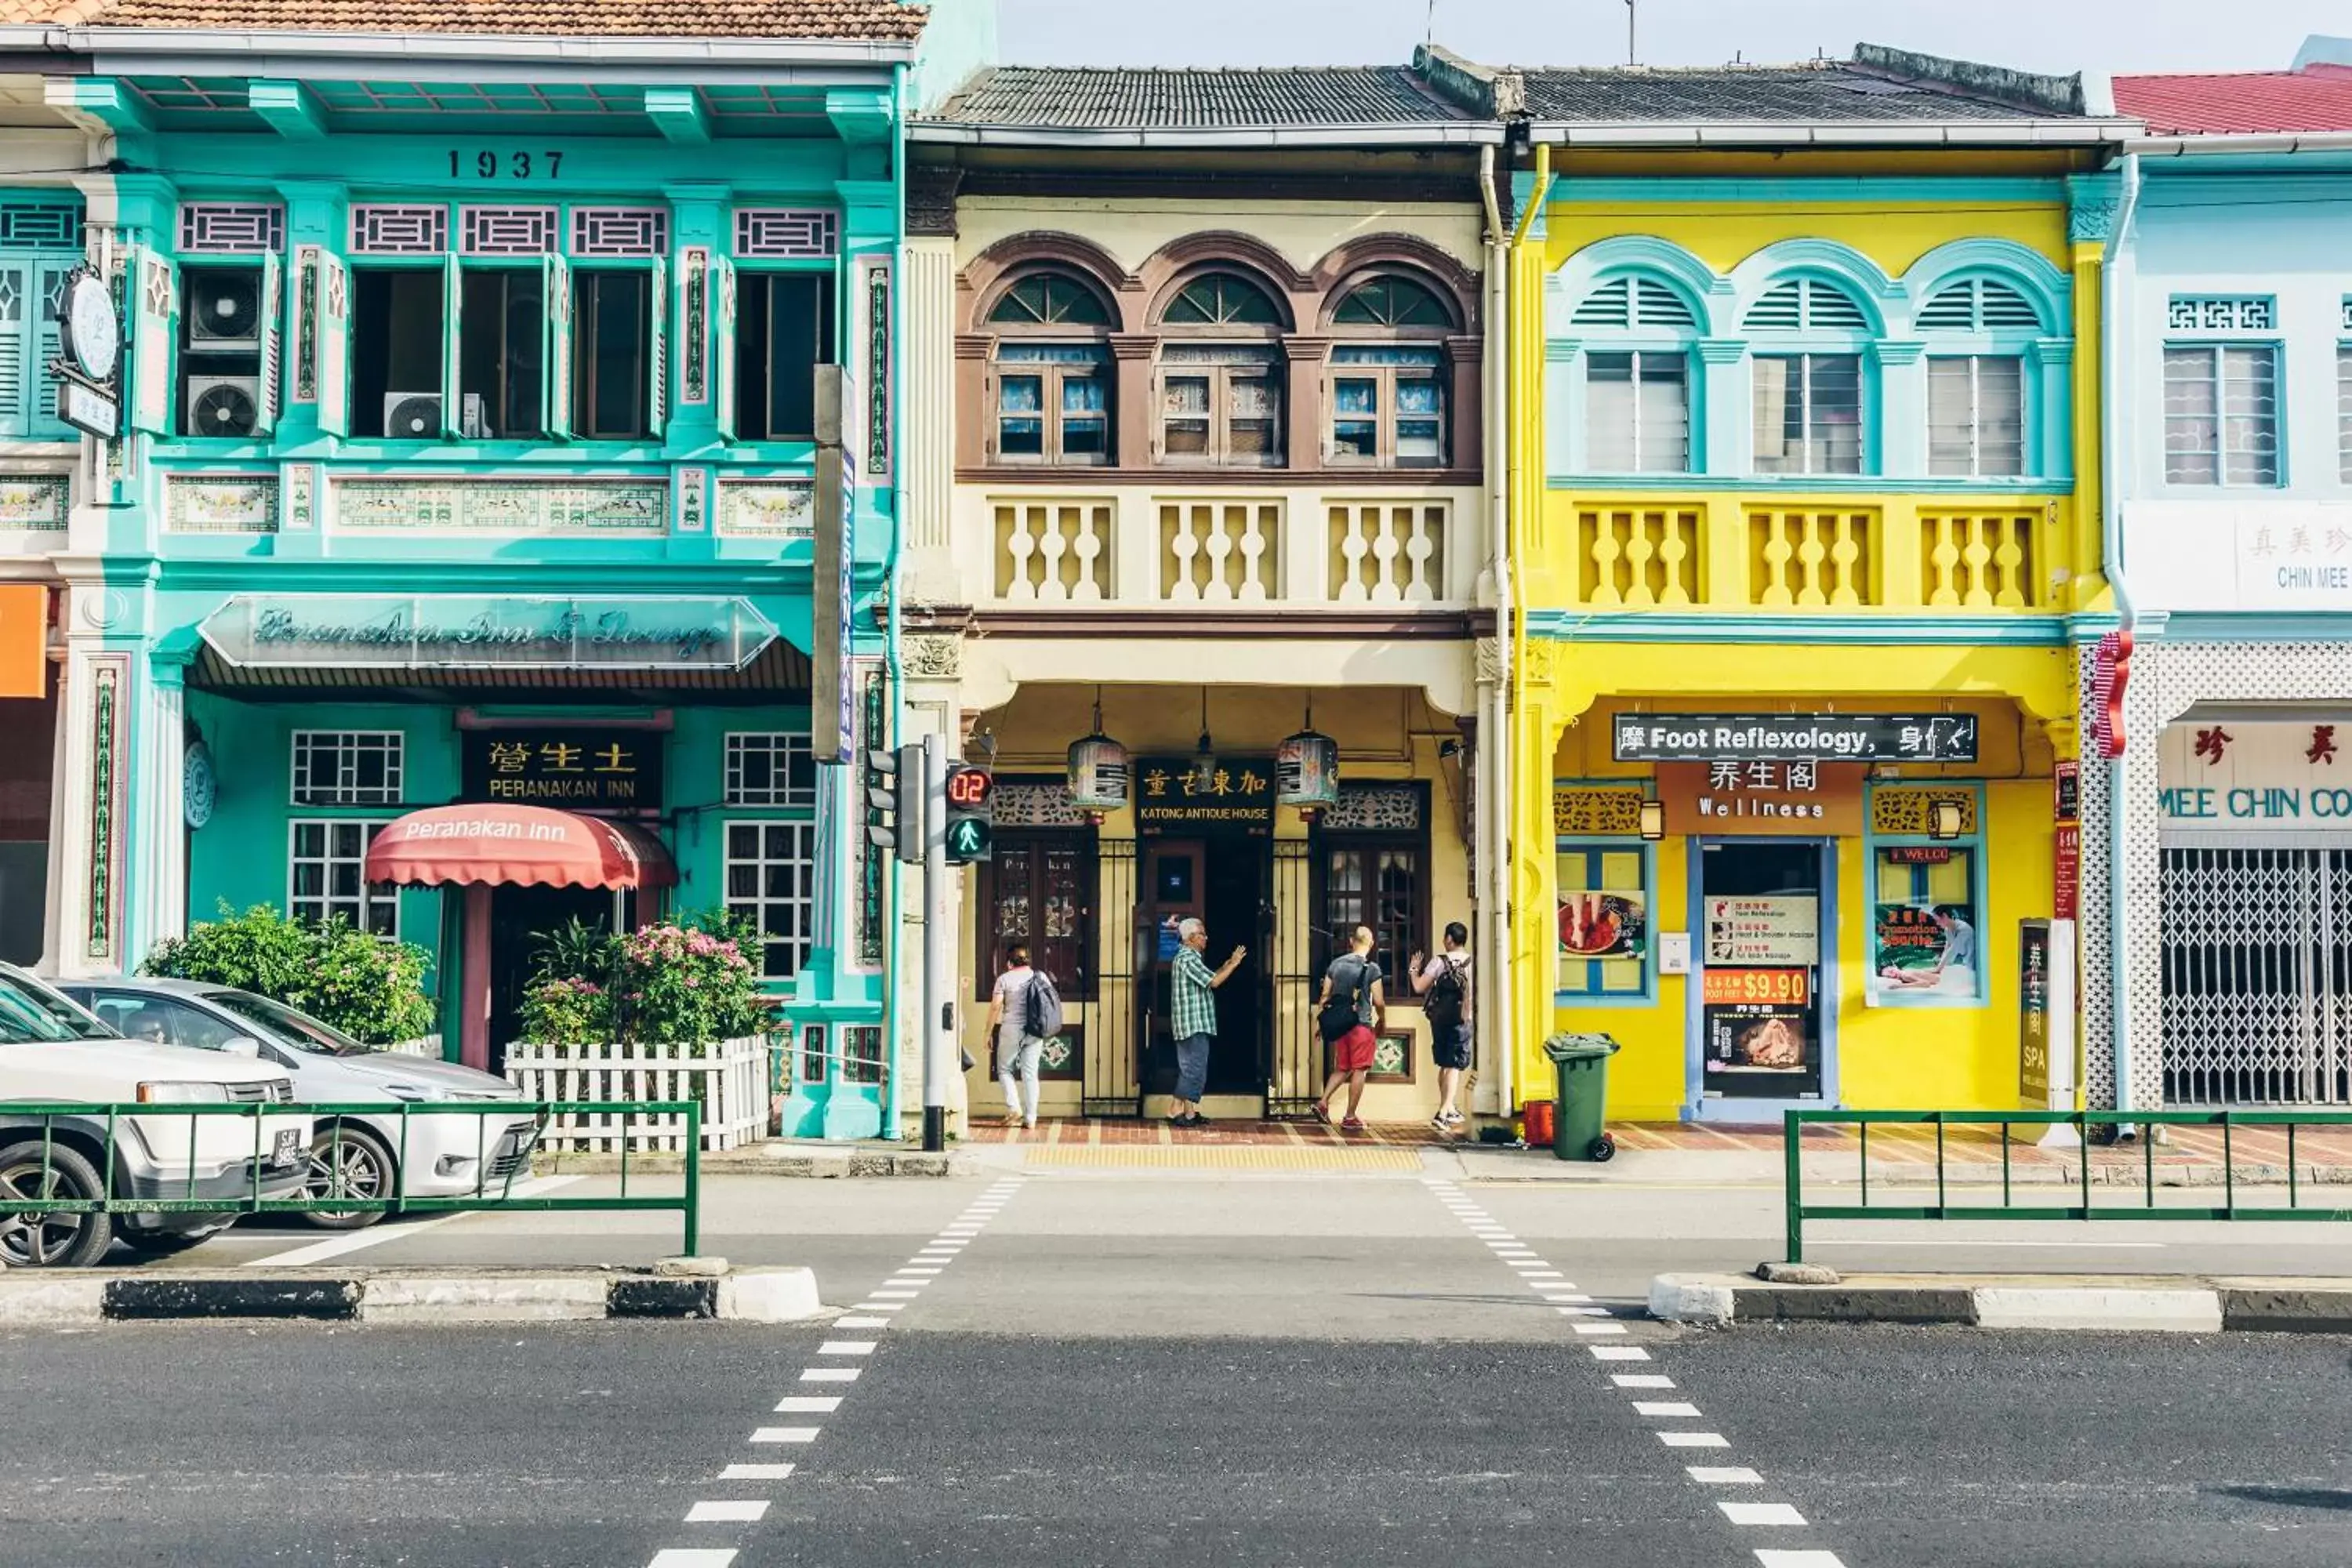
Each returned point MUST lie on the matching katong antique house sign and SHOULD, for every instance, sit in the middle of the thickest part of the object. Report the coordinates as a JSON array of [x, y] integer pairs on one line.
[[460, 630], [570, 767], [1238, 793]]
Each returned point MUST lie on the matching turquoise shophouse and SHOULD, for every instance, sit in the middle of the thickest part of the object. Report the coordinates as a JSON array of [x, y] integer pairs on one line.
[[472, 405]]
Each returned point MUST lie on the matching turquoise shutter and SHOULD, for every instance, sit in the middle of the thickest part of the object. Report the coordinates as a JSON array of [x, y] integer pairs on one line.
[[20, 379], [722, 348], [49, 347], [334, 318], [273, 347], [154, 300], [556, 272], [657, 317], [453, 308]]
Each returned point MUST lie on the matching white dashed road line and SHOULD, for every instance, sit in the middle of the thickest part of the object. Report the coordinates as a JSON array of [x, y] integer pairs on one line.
[[1547, 1283], [905, 1286]]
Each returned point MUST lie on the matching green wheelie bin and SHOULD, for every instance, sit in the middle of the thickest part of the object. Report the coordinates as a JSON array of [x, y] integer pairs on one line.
[[1581, 1131]]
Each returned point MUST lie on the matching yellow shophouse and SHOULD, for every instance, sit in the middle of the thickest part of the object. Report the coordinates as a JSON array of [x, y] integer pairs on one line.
[[1806, 512]]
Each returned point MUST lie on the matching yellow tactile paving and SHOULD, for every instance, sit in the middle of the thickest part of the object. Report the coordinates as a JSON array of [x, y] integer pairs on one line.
[[1260, 1157]]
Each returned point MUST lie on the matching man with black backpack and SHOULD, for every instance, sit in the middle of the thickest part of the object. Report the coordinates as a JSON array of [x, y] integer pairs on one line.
[[1024, 1013], [1349, 1014], [1444, 986]]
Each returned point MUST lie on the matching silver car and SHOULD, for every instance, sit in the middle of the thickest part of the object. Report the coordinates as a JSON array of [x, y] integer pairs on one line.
[[443, 1154]]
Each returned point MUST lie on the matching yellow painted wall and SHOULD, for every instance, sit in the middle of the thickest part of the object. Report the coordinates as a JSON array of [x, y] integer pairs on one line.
[[1724, 234]]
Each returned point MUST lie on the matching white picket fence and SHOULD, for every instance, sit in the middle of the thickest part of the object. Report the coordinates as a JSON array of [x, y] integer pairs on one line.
[[729, 1080]]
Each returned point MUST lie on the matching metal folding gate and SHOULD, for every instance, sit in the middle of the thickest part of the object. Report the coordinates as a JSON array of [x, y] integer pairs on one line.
[[2257, 976]]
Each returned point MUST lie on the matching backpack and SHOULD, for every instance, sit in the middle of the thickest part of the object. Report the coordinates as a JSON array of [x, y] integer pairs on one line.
[[1442, 1003], [1347, 1010], [1042, 1009]]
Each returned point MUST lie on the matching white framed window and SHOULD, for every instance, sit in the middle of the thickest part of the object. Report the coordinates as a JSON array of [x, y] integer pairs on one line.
[[771, 881], [2344, 407], [347, 767], [770, 768], [2220, 414], [1976, 416], [1808, 414], [326, 871], [1637, 412]]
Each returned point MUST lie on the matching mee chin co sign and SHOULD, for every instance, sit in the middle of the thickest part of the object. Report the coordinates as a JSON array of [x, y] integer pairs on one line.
[[463, 631]]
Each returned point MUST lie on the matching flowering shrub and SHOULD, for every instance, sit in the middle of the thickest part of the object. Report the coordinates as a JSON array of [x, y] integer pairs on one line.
[[567, 1011], [686, 983], [690, 982]]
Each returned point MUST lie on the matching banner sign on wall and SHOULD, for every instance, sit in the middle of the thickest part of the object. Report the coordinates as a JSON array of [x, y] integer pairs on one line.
[[1821, 737], [1772, 931], [2221, 776]]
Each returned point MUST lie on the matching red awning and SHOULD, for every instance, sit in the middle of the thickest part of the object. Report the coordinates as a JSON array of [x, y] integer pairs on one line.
[[504, 845]]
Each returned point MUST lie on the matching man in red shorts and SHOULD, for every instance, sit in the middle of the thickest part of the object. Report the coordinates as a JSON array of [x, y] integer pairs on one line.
[[1349, 1012]]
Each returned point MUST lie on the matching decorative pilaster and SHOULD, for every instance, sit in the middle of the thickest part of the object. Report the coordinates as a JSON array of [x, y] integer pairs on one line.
[[927, 485], [1903, 407]]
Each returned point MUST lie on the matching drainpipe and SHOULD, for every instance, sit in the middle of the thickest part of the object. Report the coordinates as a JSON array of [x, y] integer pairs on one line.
[[2118, 341], [1515, 393], [1493, 721], [891, 569]]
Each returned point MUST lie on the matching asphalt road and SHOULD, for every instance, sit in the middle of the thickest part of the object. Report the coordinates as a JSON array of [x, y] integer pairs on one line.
[[1173, 1372]]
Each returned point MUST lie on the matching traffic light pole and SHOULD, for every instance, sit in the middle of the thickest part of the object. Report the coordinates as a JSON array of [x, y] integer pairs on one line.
[[940, 1056]]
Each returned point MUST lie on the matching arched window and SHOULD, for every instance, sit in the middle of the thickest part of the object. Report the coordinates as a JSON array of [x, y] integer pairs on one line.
[[1219, 377], [1049, 299], [1393, 302], [1222, 300], [1977, 331], [1637, 376], [1809, 333], [1051, 376], [1386, 393]]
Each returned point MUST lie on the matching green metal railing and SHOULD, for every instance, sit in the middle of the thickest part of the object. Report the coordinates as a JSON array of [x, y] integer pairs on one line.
[[2082, 1122], [96, 1129]]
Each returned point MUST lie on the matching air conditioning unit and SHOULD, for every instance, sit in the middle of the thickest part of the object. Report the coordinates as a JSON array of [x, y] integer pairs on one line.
[[223, 307], [412, 415], [223, 405]]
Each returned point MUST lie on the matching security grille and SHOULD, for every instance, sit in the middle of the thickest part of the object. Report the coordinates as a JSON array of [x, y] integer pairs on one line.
[[224, 229], [2257, 976], [507, 231], [795, 232], [387, 230], [620, 231]]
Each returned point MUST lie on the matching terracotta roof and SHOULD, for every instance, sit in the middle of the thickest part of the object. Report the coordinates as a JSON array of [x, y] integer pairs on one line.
[[850, 19], [2316, 98], [1069, 98]]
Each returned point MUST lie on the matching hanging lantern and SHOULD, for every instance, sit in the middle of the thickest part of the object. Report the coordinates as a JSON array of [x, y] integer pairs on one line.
[[1201, 777], [1097, 773], [1307, 771]]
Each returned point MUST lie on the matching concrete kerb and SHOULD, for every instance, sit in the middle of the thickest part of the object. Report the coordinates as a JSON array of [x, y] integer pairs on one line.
[[2054, 1303], [707, 1289], [801, 1161]]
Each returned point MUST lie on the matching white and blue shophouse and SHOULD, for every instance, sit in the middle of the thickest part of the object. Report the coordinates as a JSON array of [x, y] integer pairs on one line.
[[467, 453], [2218, 903]]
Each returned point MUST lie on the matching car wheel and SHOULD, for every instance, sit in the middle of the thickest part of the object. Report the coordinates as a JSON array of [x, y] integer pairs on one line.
[[45, 1240], [164, 1243], [346, 1163]]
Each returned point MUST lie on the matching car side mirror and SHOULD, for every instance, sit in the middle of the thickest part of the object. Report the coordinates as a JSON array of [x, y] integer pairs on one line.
[[243, 1046]]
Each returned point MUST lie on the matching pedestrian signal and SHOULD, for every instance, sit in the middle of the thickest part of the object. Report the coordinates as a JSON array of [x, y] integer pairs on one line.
[[971, 814]]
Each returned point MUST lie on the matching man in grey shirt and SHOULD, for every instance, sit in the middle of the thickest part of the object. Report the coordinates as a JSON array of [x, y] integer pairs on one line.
[[1017, 1050]]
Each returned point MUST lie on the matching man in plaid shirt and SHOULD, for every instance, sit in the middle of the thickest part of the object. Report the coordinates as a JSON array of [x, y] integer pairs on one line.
[[1193, 1018]]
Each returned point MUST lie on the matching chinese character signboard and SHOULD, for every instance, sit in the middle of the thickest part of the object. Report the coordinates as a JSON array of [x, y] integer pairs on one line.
[[2033, 1012], [1821, 737], [1236, 795], [569, 767], [1782, 799], [2217, 776]]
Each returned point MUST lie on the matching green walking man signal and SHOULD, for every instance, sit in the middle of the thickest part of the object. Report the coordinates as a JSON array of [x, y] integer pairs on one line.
[[971, 814]]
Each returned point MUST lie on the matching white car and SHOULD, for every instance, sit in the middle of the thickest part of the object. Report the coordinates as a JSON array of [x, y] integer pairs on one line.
[[423, 1155], [52, 1054]]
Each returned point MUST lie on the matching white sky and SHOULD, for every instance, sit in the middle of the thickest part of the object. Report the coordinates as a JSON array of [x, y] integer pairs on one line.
[[2058, 36]]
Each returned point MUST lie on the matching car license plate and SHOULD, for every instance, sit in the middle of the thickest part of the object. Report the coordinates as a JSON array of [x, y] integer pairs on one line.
[[289, 1145]]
